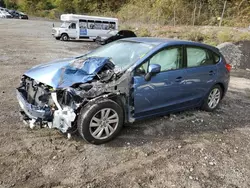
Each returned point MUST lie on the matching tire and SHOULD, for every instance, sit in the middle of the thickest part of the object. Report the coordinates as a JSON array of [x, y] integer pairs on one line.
[[214, 94], [92, 124], [64, 37]]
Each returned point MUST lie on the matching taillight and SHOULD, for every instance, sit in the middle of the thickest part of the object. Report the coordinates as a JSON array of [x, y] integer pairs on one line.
[[228, 67]]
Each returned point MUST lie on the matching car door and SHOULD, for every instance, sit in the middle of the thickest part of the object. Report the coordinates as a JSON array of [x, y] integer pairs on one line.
[[163, 92], [72, 31], [201, 73]]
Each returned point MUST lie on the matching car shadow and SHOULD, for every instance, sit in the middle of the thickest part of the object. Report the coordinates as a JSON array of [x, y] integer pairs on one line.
[[232, 113]]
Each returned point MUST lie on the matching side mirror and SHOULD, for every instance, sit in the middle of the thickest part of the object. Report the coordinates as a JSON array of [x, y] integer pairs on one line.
[[153, 69]]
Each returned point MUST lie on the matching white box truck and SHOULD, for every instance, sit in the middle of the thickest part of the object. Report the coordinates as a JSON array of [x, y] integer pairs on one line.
[[83, 27]]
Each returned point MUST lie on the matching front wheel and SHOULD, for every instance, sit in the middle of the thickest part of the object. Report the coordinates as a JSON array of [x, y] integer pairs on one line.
[[100, 122], [64, 37], [212, 100]]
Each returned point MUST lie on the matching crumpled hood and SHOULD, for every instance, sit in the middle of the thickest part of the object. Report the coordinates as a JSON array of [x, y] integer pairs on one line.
[[66, 72]]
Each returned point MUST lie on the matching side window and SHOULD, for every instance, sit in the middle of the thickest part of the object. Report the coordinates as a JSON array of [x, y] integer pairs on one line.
[[98, 25], [72, 26], [216, 58], [112, 25], [199, 57], [83, 24], [105, 25], [91, 24], [168, 59], [142, 70]]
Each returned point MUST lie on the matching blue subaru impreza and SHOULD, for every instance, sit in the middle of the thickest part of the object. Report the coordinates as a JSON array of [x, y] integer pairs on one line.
[[124, 81]]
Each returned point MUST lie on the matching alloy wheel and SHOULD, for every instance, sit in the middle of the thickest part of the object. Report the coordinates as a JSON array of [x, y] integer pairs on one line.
[[214, 98], [104, 123]]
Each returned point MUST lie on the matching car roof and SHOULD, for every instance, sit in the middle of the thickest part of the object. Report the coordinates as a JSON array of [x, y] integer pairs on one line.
[[167, 41]]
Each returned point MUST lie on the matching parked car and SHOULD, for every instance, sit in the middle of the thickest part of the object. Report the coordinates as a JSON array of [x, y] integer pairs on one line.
[[17, 14], [114, 35], [5, 14], [122, 82]]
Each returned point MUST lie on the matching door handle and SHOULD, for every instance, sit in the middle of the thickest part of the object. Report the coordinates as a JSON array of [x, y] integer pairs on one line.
[[178, 79]]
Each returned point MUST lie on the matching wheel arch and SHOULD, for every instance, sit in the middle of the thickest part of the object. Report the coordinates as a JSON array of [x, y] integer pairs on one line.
[[64, 33], [222, 87], [119, 99]]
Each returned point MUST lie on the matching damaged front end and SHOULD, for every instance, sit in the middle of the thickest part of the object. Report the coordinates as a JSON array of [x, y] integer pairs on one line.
[[40, 106], [52, 95]]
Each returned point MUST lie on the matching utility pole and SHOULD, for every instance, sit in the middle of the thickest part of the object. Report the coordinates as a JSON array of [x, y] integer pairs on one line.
[[225, 4]]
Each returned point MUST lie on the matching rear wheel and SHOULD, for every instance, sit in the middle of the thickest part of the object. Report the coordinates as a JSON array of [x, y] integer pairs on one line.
[[213, 99], [100, 122], [64, 37]]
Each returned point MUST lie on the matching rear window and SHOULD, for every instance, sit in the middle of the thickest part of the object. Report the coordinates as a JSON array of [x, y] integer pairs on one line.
[[216, 58], [197, 56]]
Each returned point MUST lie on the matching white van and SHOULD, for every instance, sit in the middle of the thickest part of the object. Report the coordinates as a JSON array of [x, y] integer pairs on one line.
[[83, 27]]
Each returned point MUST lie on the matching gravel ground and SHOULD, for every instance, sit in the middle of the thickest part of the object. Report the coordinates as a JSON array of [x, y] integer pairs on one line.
[[189, 149]]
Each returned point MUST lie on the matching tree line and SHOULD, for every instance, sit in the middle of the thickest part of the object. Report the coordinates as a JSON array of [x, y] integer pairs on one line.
[[169, 12]]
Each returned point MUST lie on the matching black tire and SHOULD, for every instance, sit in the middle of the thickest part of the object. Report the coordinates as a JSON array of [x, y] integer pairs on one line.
[[205, 105], [92, 110], [64, 37]]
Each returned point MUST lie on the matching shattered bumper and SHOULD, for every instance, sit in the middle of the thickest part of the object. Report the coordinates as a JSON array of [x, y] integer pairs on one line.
[[61, 118], [32, 111]]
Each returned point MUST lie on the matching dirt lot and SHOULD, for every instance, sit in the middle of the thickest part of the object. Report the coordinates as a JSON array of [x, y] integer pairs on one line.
[[189, 149]]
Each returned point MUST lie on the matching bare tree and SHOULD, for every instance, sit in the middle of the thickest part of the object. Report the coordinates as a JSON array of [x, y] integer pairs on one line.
[[194, 14], [199, 13], [222, 15]]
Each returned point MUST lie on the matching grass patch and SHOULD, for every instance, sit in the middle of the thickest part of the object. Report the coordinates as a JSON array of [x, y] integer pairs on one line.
[[224, 36], [243, 36], [143, 32], [195, 36]]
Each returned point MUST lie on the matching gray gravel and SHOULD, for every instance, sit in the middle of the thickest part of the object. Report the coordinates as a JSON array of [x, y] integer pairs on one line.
[[188, 149]]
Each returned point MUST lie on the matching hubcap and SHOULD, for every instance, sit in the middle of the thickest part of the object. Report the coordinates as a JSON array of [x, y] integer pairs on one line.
[[104, 123], [214, 98]]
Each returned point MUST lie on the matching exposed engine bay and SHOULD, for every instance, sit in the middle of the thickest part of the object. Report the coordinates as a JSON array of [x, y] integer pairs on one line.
[[76, 84]]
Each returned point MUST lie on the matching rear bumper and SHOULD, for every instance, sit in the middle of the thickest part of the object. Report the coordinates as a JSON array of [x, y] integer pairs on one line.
[[32, 111]]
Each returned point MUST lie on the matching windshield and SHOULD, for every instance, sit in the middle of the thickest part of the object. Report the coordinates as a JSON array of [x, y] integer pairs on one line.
[[122, 53], [113, 32], [65, 25]]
